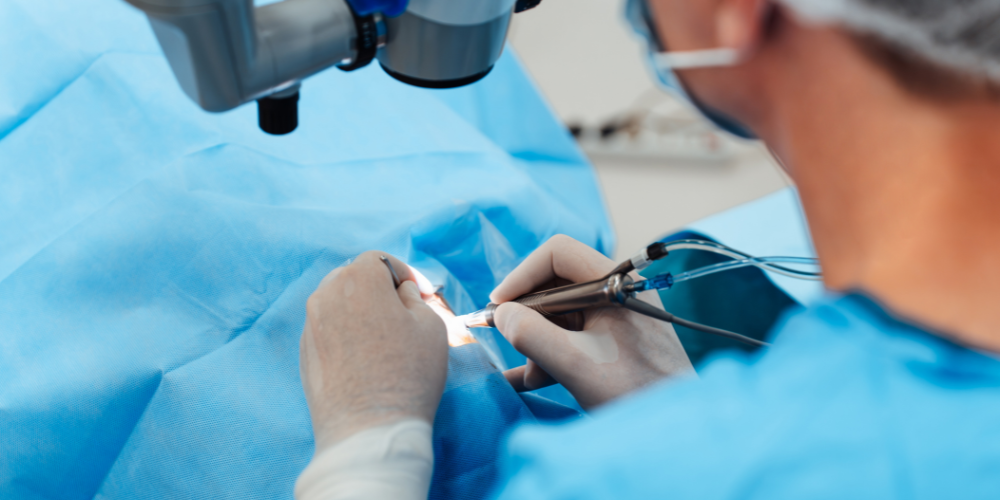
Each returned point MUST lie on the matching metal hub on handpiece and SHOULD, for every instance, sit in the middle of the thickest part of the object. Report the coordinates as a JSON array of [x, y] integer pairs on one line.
[[606, 292]]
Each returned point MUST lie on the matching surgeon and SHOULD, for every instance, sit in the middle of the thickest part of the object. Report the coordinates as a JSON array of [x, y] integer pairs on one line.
[[886, 113]]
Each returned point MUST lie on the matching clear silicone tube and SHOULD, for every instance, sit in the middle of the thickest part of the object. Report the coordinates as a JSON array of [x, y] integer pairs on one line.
[[753, 261], [666, 281], [762, 263]]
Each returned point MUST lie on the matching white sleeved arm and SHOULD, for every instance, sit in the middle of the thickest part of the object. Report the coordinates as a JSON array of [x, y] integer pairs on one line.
[[389, 462]]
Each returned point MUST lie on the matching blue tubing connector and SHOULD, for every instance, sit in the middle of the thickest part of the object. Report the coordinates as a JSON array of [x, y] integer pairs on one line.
[[391, 8], [660, 282]]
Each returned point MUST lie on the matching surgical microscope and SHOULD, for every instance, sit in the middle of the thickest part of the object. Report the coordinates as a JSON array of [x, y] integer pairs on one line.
[[226, 53]]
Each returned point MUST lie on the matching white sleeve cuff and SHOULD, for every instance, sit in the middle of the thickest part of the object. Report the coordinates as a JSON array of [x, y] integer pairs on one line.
[[389, 462]]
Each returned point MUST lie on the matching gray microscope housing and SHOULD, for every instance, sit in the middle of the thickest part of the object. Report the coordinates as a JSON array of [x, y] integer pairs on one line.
[[225, 53]]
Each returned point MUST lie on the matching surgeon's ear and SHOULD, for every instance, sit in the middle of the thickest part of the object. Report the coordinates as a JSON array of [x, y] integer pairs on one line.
[[741, 24]]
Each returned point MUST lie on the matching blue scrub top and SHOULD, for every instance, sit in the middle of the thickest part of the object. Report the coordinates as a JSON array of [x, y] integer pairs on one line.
[[849, 404]]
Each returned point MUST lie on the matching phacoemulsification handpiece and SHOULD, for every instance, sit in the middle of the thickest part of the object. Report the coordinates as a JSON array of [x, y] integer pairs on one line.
[[618, 289], [605, 292]]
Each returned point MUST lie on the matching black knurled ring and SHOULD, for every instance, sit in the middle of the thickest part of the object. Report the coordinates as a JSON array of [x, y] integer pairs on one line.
[[367, 29]]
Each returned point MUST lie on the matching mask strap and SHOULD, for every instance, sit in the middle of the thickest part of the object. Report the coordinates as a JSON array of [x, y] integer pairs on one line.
[[690, 59]]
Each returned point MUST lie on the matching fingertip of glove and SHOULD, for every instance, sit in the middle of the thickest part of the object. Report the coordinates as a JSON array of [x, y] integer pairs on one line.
[[509, 314], [496, 296], [410, 294], [502, 316]]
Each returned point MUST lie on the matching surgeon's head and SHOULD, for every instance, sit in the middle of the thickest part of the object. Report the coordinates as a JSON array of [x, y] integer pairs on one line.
[[781, 53], [884, 112]]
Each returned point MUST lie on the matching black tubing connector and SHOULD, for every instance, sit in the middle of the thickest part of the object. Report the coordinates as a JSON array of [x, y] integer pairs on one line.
[[523, 5], [654, 252], [278, 115], [657, 251]]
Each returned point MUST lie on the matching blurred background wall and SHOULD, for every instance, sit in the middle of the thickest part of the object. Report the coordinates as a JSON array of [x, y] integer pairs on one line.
[[660, 165]]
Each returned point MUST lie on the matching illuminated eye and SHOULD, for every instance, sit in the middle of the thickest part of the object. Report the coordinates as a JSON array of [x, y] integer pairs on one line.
[[458, 334]]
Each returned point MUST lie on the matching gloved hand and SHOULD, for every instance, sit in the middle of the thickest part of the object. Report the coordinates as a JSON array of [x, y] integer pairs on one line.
[[597, 355], [370, 355]]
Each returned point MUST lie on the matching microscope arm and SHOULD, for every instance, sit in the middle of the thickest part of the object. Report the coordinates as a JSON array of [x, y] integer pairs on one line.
[[225, 53]]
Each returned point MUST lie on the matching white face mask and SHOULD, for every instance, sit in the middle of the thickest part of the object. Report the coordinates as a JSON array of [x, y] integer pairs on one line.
[[664, 64]]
